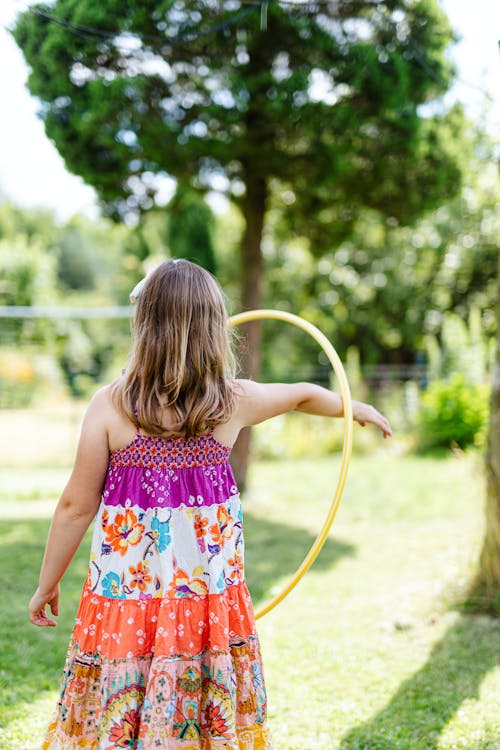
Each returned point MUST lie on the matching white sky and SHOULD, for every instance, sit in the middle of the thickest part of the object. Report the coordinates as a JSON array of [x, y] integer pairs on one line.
[[33, 173]]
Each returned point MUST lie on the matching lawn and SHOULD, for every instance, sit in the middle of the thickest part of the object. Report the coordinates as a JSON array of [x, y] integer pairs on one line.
[[367, 653]]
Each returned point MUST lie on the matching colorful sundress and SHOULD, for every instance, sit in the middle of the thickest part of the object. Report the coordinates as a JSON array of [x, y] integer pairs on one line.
[[164, 653]]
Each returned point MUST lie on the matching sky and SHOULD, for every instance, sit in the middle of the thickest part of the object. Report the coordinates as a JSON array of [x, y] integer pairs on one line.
[[32, 173]]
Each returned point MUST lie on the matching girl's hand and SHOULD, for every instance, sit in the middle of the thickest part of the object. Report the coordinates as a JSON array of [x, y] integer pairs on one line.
[[38, 616], [367, 414]]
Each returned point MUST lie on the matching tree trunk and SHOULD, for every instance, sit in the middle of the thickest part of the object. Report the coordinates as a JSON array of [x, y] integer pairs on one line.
[[254, 208], [486, 588]]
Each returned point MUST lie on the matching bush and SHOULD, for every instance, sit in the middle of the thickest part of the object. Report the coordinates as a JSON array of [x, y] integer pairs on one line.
[[17, 380], [453, 412]]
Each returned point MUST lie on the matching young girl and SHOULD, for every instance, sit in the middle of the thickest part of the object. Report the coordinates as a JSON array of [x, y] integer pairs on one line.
[[164, 653]]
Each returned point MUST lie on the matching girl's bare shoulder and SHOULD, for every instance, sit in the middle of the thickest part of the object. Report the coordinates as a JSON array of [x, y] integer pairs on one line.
[[244, 387], [103, 400], [120, 428]]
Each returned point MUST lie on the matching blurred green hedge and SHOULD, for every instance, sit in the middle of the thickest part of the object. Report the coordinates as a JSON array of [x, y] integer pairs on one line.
[[453, 412]]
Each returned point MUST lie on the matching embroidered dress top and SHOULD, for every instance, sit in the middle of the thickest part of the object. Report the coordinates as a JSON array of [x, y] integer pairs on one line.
[[164, 653]]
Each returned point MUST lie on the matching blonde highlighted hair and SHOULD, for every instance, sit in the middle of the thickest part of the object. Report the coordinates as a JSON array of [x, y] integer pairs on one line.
[[181, 358]]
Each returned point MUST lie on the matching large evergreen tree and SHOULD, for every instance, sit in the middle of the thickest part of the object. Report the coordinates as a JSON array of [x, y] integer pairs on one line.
[[324, 101]]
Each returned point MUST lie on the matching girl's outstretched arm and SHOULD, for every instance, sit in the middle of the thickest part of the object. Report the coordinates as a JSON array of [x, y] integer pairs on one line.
[[75, 510], [260, 401]]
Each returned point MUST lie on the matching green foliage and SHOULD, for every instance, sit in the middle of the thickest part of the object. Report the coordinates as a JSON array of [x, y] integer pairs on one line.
[[455, 408], [17, 379], [228, 230], [464, 348], [33, 224], [93, 259], [326, 102], [77, 267], [43, 264], [84, 353], [389, 289], [27, 272], [27, 277], [453, 412], [190, 228]]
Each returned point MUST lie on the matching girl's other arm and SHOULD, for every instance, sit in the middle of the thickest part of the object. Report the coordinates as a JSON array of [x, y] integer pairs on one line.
[[260, 401], [76, 508]]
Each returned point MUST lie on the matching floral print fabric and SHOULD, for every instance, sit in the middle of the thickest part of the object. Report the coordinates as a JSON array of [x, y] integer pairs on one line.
[[164, 651], [142, 553]]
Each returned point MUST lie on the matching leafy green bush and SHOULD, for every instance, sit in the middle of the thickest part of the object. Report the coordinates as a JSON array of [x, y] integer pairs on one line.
[[453, 412]]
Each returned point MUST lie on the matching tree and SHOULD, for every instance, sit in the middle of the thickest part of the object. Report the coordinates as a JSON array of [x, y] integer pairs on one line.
[[35, 224], [77, 264], [484, 593], [326, 101], [190, 228], [387, 286], [485, 590]]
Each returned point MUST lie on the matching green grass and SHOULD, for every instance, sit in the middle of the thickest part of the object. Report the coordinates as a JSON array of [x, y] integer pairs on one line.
[[366, 653]]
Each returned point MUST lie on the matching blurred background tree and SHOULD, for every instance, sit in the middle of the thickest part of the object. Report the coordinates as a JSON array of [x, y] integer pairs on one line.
[[77, 266], [190, 228], [387, 288]]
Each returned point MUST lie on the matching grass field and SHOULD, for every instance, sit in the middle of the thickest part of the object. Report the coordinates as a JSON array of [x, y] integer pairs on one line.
[[367, 653]]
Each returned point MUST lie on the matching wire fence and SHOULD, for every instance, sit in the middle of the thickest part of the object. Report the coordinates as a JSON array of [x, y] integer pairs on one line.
[[12, 319], [52, 359], [75, 313]]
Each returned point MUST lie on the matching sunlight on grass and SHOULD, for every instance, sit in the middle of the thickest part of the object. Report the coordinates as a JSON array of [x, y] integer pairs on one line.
[[28, 729], [364, 654], [31, 485]]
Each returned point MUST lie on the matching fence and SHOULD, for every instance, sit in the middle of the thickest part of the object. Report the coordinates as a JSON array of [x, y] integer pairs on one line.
[[376, 377]]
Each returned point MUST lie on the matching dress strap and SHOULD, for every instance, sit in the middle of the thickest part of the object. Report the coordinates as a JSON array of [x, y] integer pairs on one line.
[[210, 432], [136, 413]]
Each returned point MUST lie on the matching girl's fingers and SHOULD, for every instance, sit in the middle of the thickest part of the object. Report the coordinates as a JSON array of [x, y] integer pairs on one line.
[[381, 422], [37, 613], [377, 419], [386, 429], [41, 620]]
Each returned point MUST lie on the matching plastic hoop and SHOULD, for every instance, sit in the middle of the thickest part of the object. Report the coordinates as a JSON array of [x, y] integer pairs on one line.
[[246, 317]]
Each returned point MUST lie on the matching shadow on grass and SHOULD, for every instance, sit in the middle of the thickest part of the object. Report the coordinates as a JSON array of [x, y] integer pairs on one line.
[[424, 704], [31, 659], [275, 550]]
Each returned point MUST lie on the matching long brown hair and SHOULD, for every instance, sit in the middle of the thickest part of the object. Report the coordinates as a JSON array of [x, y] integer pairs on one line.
[[181, 357]]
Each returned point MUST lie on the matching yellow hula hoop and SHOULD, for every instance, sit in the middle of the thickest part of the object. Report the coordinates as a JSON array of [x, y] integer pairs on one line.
[[246, 317]]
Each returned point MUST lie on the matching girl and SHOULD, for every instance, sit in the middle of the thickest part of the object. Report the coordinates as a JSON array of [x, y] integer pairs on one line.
[[164, 652]]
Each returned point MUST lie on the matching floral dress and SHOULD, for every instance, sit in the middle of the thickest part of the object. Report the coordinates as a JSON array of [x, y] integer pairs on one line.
[[164, 653]]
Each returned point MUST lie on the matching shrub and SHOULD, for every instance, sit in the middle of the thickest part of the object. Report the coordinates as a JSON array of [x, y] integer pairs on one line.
[[17, 380], [453, 412]]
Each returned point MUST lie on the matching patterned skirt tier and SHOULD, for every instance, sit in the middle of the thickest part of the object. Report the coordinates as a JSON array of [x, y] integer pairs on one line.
[[163, 673]]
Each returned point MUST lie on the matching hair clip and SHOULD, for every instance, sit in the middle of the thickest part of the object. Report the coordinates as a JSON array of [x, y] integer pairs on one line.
[[134, 294]]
